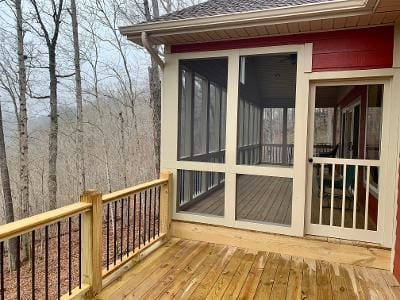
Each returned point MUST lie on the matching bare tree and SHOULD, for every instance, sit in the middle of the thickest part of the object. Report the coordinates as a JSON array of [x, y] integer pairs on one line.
[[51, 43], [7, 197], [78, 96], [155, 88], [22, 120]]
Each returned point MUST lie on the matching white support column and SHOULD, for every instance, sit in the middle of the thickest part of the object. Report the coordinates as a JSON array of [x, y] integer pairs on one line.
[[300, 144], [231, 137], [396, 96]]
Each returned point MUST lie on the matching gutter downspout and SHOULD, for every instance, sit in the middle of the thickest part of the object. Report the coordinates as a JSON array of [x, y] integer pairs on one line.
[[149, 47]]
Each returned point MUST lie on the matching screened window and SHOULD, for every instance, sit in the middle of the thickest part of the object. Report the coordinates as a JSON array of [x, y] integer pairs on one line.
[[267, 90], [202, 110], [199, 115]]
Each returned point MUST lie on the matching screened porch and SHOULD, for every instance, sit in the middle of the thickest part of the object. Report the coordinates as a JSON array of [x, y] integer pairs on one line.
[[265, 135]]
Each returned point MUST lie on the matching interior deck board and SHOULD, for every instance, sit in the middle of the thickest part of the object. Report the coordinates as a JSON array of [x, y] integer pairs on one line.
[[260, 198], [201, 270]]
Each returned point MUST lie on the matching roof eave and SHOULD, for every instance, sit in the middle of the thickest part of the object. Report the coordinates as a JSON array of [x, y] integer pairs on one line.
[[277, 15]]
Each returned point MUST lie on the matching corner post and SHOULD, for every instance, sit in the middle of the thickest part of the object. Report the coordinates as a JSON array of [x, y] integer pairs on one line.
[[92, 249], [165, 202]]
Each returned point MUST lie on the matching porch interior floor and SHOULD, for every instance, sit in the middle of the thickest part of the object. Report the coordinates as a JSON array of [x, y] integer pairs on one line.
[[259, 198], [185, 269]]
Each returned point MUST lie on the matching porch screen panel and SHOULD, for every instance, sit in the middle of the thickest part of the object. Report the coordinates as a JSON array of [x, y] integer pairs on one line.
[[201, 192], [199, 115], [267, 90], [185, 113], [202, 110], [223, 120]]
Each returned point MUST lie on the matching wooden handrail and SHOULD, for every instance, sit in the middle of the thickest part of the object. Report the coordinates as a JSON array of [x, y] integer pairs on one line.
[[133, 190], [14, 229]]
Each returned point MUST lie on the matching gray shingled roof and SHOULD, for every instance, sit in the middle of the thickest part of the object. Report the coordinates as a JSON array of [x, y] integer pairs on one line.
[[224, 7]]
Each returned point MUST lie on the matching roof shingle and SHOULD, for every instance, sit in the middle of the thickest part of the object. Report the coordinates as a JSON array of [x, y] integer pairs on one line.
[[224, 7]]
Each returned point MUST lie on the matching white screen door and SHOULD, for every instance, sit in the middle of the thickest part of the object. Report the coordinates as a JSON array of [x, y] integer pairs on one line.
[[345, 171]]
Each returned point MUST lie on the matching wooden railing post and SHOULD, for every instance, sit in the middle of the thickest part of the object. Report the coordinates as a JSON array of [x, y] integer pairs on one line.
[[165, 202], [92, 244]]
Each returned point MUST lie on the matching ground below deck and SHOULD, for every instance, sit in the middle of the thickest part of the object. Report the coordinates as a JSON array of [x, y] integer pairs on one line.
[[184, 269]]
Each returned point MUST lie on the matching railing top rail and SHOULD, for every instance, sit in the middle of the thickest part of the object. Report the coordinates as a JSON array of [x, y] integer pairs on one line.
[[14, 229], [133, 190], [346, 161]]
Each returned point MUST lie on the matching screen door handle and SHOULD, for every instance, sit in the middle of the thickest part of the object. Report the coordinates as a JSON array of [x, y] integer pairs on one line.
[[310, 160]]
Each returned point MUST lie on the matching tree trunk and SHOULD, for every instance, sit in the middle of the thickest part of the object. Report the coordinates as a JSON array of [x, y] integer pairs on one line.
[[51, 42], [155, 100], [23, 128], [7, 197], [155, 91], [78, 95], [123, 154], [53, 133]]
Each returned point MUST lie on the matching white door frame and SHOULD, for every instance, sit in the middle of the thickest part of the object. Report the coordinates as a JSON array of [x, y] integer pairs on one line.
[[389, 152], [347, 109]]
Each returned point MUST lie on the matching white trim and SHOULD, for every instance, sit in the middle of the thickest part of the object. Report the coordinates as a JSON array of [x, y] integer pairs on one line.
[[308, 57], [396, 49], [343, 161]]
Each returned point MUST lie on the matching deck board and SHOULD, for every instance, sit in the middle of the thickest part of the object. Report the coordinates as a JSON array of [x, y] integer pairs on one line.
[[259, 198], [198, 270]]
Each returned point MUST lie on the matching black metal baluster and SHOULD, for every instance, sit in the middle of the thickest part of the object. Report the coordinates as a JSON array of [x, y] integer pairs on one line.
[[80, 251], [149, 214], [122, 226], [108, 236], [33, 240], [69, 255], [127, 229], [2, 270], [46, 262], [134, 223], [18, 267], [115, 233], [154, 213], [58, 259], [140, 217], [158, 211], [144, 218]]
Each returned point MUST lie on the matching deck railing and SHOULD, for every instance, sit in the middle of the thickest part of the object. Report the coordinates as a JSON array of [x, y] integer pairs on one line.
[[68, 252]]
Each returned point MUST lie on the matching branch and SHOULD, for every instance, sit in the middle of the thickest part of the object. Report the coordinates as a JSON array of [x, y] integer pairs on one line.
[[65, 76]]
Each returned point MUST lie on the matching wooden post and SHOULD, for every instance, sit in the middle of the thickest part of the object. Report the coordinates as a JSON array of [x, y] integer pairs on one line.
[[92, 244], [165, 202], [284, 137]]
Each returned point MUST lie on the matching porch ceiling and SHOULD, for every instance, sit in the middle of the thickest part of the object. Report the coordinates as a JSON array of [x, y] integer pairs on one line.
[[334, 15], [329, 96]]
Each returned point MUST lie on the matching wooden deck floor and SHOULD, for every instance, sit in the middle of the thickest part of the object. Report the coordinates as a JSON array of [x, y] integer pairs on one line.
[[259, 198], [183, 269]]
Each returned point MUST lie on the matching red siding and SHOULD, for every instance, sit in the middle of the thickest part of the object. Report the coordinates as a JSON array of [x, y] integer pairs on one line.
[[369, 48], [396, 269]]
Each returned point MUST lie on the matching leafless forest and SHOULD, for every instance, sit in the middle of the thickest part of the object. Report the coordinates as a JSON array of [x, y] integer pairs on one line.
[[80, 104]]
